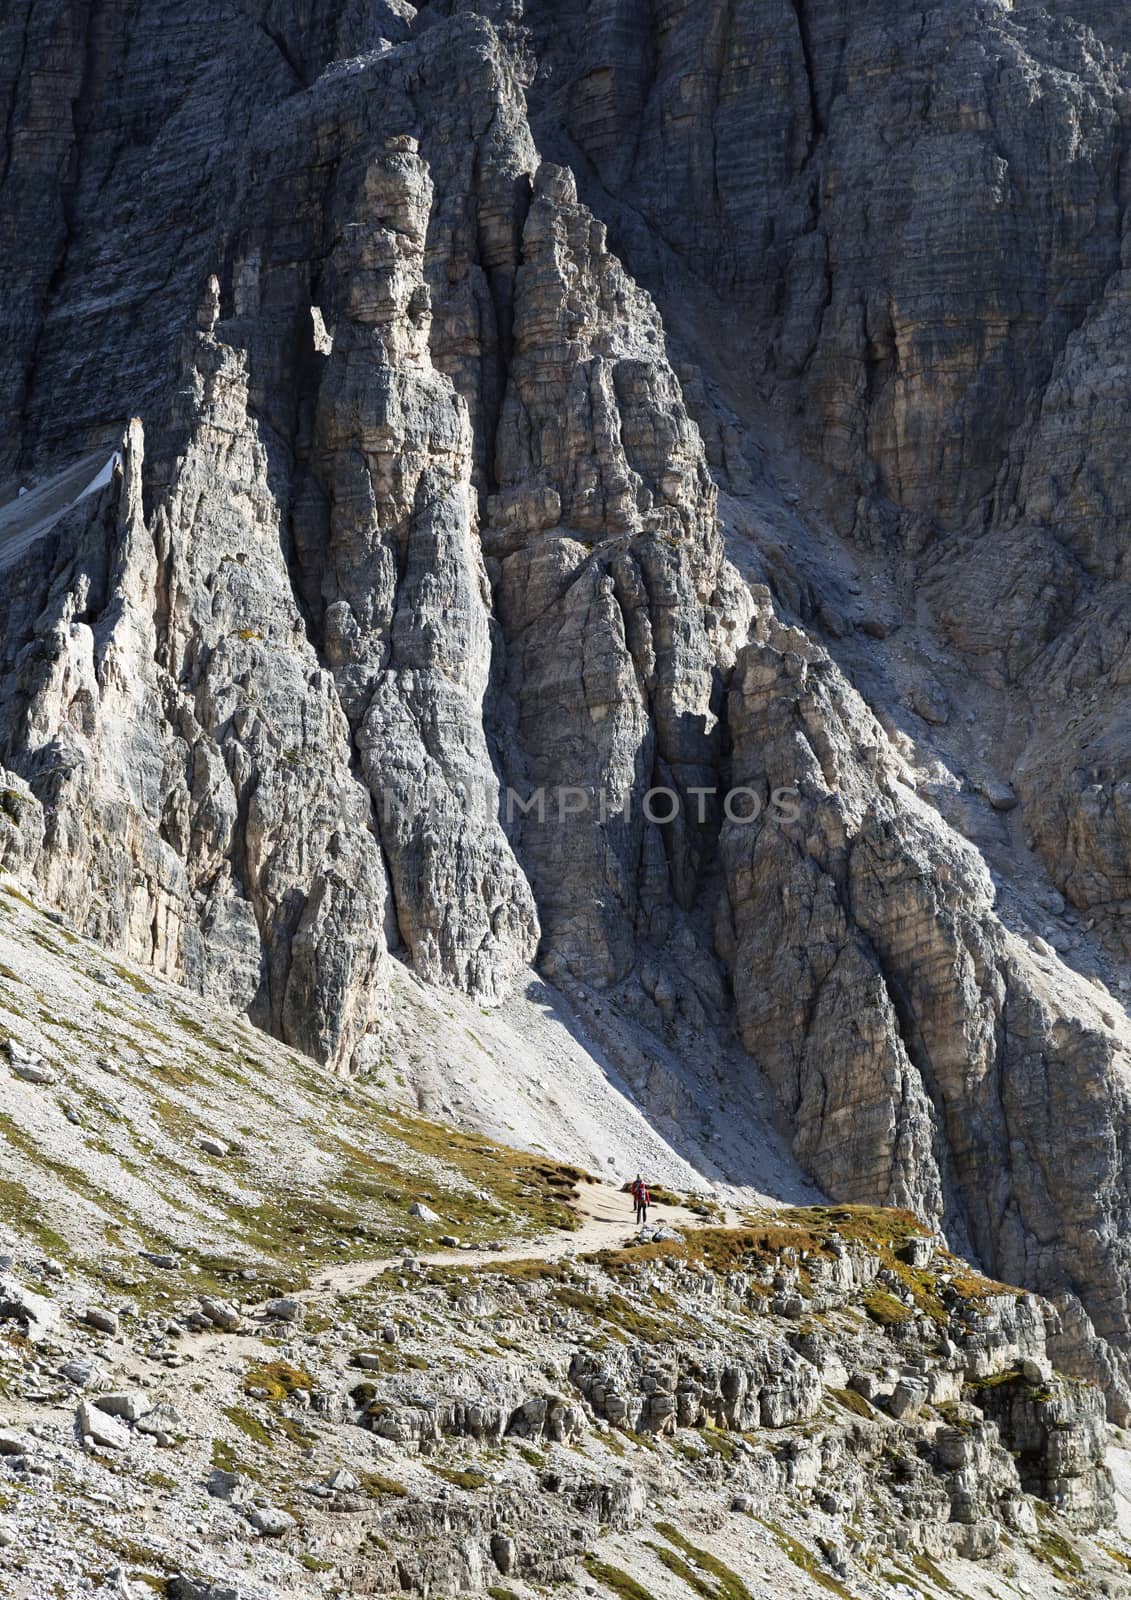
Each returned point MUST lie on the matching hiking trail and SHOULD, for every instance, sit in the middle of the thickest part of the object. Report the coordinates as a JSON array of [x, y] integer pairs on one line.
[[606, 1222]]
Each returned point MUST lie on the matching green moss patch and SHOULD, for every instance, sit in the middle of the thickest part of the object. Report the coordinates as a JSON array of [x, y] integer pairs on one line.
[[680, 1568], [806, 1561], [376, 1484], [249, 1426], [726, 1585], [851, 1401], [614, 1579], [927, 1567], [462, 1477], [278, 1379], [534, 1189], [615, 1309], [227, 1458], [885, 1309]]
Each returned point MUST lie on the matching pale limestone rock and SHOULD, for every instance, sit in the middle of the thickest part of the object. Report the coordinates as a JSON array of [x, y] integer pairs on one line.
[[21, 826], [419, 510], [405, 594], [130, 1405], [38, 1316], [101, 1430]]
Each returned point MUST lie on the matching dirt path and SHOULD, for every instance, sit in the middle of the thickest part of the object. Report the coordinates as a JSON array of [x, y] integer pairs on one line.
[[606, 1221]]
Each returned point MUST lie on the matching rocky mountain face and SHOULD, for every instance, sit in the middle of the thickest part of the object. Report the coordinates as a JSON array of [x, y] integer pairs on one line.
[[443, 421]]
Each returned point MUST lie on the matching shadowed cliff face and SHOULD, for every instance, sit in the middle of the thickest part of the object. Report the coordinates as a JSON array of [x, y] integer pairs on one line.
[[429, 504], [913, 208]]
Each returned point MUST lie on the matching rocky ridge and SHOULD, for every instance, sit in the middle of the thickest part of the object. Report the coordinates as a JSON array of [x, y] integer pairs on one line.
[[252, 1354]]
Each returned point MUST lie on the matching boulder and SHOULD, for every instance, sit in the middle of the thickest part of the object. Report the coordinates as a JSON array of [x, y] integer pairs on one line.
[[37, 1315], [284, 1309], [100, 1430], [221, 1314], [130, 1405], [98, 1317], [270, 1521]]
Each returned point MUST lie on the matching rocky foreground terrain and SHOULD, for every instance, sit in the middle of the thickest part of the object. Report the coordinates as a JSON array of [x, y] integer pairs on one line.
[[249, 1348], [425, 429]]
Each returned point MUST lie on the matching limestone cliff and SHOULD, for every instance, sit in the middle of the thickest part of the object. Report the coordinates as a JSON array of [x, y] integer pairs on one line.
[[428, 408]]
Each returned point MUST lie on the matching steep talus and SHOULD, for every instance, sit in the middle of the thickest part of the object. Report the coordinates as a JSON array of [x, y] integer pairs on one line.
[[413, 563]]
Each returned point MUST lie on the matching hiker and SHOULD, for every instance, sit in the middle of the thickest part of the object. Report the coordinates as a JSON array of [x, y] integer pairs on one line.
[[642, 1198]]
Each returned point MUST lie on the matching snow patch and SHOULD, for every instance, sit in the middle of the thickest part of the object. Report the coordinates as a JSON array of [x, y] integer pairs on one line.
[[34, 512]]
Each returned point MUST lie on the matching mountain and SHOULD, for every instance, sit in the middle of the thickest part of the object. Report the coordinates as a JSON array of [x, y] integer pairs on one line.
[[607, 519]]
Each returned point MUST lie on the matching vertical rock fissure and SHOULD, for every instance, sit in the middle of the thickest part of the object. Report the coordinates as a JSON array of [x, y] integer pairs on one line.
[[815, 120]]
